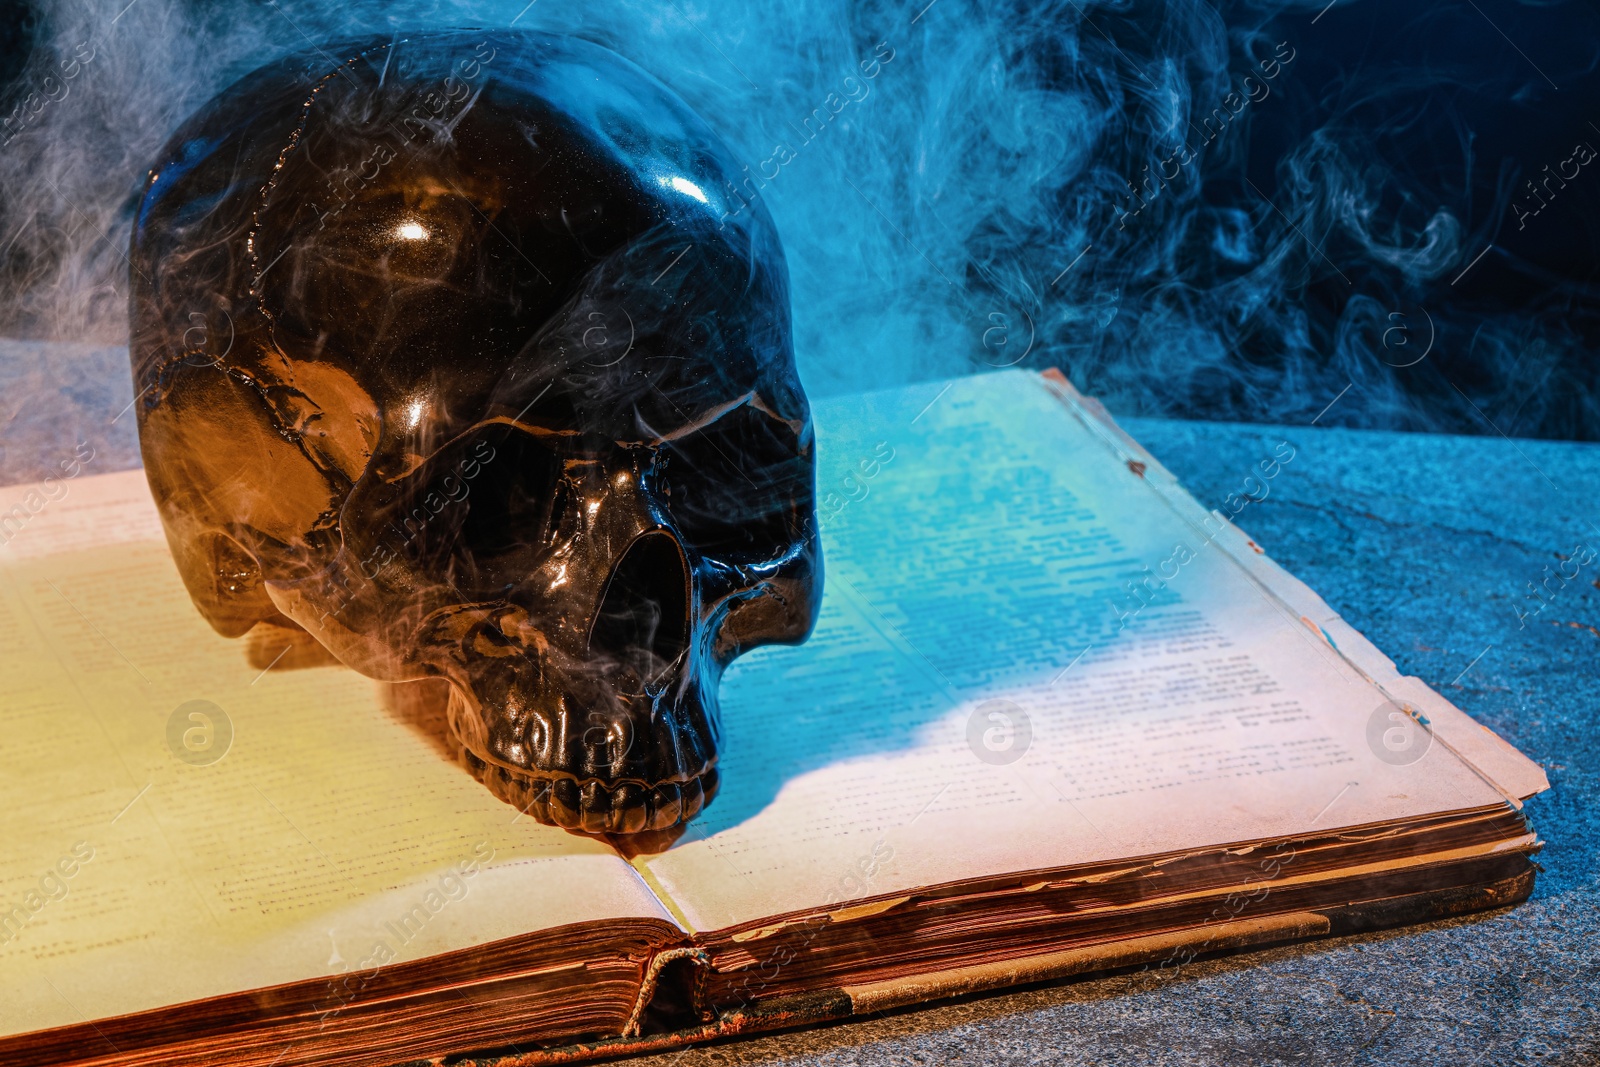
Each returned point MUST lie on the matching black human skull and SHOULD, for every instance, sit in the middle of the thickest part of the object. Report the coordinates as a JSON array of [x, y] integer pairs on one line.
[[459, 352]]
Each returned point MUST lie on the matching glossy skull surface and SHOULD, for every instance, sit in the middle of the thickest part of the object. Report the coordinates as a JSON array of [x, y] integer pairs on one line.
[[458, 352]]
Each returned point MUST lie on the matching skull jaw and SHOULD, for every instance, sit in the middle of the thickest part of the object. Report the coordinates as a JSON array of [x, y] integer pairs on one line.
[[666, 794], [594, 807]]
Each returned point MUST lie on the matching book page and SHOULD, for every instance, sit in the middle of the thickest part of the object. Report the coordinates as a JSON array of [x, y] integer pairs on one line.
[[179, 824], [1515, 775], [1029, 658]]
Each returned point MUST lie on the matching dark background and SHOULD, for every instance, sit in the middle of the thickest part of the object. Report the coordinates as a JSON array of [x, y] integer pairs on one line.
[[1289, 267]]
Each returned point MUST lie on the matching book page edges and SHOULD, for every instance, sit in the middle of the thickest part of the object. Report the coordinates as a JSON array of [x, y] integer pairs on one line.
[[1221, 937], [1526, 843], [1512, 774], [1172, 949], [1177, 948]]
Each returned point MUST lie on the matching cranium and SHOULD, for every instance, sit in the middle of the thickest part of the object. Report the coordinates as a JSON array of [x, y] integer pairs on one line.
[[450, 351]]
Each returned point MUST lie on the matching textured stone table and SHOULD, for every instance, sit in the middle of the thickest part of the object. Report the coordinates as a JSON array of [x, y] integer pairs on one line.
[[1425, 544]]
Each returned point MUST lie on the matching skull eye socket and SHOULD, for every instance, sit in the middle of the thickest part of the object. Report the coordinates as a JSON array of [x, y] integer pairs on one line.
[[736, 489], [643, 618], [513, 493], [476, 514], [518, 495]]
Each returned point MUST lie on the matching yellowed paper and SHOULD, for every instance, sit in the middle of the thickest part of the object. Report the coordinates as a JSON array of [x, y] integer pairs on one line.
[[146, 864]]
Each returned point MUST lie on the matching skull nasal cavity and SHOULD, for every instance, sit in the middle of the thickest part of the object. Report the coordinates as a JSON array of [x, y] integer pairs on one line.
[[643, 619]]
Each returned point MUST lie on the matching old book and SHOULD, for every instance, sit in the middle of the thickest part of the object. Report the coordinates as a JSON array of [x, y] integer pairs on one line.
[[1057, 717]]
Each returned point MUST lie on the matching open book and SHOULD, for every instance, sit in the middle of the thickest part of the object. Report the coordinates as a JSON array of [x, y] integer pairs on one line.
[[1057, 717]]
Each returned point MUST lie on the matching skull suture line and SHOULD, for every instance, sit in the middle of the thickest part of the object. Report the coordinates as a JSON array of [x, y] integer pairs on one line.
[[490, 391]]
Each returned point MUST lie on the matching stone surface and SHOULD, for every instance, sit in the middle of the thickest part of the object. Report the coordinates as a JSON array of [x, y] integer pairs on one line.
[[1424, 543]]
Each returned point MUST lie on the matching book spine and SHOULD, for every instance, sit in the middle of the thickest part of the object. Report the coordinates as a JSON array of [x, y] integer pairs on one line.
[[652, 976]]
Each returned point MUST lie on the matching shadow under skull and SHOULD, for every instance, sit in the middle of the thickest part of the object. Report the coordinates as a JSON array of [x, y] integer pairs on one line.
[[509, 399]]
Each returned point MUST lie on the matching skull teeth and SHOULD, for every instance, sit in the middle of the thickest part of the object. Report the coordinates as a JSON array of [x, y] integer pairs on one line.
[[593, 806]]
